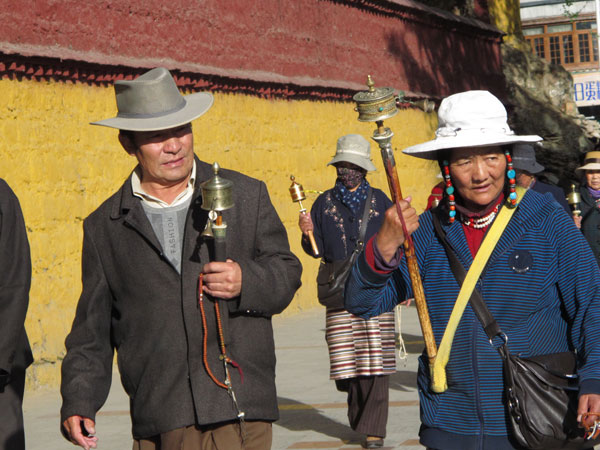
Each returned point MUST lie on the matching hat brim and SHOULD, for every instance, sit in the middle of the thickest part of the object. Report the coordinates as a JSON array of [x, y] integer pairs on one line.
[[431, 149], [195, 105], [353, 159], [589, 166]]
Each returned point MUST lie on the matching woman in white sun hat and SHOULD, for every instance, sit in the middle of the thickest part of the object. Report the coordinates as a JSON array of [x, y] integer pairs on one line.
[[540, 283]]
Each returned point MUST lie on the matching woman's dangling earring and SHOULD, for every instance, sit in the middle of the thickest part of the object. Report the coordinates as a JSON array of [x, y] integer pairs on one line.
[[511, 175], [449, 191]]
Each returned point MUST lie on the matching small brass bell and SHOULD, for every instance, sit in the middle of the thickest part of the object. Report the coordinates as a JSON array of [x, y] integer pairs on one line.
[[574, 200], [217, 192], [297, 193]]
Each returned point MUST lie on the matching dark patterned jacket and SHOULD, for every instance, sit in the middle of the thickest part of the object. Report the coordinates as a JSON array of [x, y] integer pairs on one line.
[[336, 227]]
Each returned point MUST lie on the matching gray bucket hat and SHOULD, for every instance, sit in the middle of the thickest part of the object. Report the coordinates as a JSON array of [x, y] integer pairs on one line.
[[354, 149], [523, 158], [153, 102]]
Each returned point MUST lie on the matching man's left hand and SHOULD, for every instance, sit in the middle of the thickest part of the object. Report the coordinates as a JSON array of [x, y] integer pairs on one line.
[[222, 279]]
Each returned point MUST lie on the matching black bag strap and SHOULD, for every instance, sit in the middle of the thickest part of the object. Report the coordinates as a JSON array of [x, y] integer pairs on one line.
[[365, 220], [490, 326]]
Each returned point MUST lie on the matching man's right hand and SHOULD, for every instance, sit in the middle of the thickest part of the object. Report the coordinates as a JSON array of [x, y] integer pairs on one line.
[[81, 431], [305, 223]]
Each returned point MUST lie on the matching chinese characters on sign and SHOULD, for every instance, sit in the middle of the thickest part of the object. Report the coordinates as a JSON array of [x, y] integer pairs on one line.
[[586, 89]]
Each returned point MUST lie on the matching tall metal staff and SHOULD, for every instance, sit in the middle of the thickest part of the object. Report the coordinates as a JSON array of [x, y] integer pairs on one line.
[[376, 105]]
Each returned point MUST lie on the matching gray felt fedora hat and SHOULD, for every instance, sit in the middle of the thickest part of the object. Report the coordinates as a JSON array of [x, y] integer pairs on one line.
[[523, 158], [153, 102], [354, 149]]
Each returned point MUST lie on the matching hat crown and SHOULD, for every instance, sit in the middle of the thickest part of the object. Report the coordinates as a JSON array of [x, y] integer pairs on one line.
[[353, 149], [524, 152], [592, 157], [523, 158], [152, 94], [472, 110], [355, 144]]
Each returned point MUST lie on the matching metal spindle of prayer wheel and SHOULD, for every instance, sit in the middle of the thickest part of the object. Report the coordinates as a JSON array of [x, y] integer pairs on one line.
[[297, 193]]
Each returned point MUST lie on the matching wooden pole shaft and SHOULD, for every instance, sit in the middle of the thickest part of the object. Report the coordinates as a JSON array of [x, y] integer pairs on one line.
[[409, 247], [313, 243]]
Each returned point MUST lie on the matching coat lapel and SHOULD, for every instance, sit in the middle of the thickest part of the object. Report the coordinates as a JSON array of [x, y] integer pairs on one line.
[[456, 237], [130, 209]]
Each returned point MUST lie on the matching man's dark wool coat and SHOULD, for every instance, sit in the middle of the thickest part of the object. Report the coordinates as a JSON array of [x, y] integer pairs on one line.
[[134, 301]]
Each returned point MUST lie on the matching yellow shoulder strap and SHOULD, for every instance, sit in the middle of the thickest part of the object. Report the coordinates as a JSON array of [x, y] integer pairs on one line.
[[438, 370]]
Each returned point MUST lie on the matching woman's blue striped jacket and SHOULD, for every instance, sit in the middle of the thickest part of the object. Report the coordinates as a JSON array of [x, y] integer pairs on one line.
[[542, 284]]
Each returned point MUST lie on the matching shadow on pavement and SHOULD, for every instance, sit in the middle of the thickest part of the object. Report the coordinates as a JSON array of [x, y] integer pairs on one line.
[[413, 343], [403, 380], [298, 416]]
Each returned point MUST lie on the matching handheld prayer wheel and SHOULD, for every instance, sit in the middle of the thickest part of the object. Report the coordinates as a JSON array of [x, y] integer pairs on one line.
[[376, 105], [297, 193], [574, 200], [216, 198]]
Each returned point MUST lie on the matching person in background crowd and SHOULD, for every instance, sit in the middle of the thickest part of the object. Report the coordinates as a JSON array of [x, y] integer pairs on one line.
[[526, 168], [15, 353], [143, 252], [589, 221], [541, 283], [361, 352]]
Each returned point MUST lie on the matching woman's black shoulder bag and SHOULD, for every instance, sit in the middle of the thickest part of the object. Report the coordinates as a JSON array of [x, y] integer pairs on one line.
[[332, 275]]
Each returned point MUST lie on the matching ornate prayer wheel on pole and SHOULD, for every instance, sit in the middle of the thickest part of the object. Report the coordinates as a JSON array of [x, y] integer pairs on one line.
[[376, 105]]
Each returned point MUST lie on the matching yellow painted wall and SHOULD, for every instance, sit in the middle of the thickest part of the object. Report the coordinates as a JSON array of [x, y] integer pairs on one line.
[[506, 16], [61, 169]]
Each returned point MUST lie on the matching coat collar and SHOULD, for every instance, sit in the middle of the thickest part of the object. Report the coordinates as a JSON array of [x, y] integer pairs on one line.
[[129, 208]]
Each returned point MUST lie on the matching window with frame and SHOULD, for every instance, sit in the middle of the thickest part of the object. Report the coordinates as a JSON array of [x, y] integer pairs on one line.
[[573, 44]]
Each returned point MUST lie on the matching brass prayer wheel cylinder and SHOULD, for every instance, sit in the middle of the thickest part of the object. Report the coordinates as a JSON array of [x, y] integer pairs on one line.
[[574, 197], [574, 200], [296, 190], [217, 192], [375, 104]]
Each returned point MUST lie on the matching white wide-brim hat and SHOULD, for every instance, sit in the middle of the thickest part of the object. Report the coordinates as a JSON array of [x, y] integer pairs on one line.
[[354, 149], [591, 162], [469, 119], [153, 102]]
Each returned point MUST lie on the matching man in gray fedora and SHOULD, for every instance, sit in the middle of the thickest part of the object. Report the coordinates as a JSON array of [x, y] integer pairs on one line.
[[143, 252]]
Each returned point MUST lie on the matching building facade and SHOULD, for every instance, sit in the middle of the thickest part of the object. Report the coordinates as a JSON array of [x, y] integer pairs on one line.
[[567, 35]]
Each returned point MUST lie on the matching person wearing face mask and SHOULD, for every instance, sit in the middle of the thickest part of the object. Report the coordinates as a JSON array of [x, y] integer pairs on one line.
[[359, 366], [589, 221]]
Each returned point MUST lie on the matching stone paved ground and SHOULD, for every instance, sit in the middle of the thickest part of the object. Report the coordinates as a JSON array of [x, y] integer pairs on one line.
[[313, 413]]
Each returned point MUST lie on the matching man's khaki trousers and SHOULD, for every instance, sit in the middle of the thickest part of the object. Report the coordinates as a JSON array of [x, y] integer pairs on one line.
[[259, 436]]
